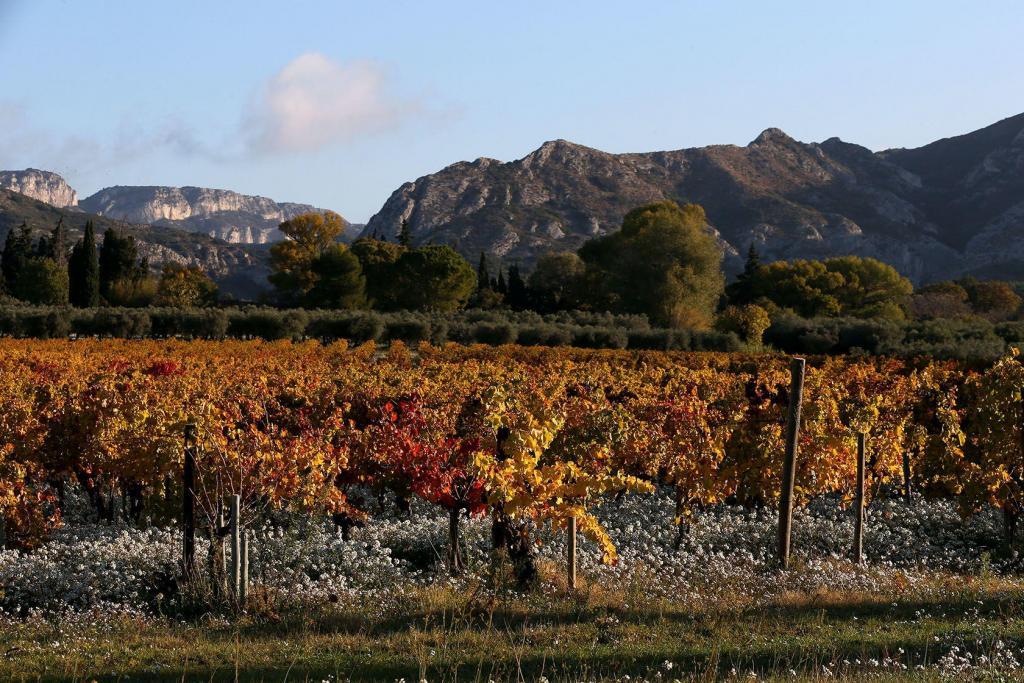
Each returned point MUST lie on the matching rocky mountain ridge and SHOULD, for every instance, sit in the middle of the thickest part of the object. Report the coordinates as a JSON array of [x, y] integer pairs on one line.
[[949, 208], [44, 186], [224, 214]]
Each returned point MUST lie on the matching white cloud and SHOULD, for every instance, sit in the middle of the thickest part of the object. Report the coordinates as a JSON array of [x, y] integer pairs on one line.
[[314, 102]]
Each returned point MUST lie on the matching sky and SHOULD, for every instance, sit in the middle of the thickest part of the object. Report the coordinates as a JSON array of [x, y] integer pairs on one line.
[[338, 103]]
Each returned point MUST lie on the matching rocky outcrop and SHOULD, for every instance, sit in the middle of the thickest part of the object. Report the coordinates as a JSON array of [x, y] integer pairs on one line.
[[792, 199], [972, 189], [41, 185], [226, 215]]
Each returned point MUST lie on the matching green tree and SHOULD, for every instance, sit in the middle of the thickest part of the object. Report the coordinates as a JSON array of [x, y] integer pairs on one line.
[[84, 270], [118, 261], [429, 277], [379, 263], [405, 234], [748, 322], [662, 263], [137, 292], [339, 280], [991, 299], [307, 236], [483, 275], [185, 287], [870, 289], [56, 246], [434, 277], [42, 281], [556, 280], [17, 252], [842, 286], [518, 297], [740, 291], [805, 287], [485, 296]]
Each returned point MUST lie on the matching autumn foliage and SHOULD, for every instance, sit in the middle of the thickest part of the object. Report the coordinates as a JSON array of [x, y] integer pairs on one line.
[[530, 436]]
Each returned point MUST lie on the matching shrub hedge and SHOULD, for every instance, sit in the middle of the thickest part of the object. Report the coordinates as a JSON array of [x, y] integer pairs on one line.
[[957, 339]]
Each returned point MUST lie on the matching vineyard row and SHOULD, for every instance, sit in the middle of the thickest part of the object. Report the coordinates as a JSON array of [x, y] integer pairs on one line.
[[529, 436]]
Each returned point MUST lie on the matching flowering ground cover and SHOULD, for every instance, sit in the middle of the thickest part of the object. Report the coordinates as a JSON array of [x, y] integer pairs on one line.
[[936, 600]]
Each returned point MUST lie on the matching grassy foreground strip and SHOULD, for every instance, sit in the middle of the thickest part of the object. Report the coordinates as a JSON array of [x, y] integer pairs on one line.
[[956, 626]]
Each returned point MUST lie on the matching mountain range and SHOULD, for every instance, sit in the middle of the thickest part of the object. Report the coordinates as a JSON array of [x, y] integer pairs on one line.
[[223, 214], [954, 207]]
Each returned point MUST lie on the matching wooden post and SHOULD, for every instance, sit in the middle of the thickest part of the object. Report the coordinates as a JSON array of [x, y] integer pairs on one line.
[[221, 557], [214, 558], [243, 589], [236, 546], [906, 477], [572, 554], [796, 394], [455, 564], [858, 520], [188, 502]]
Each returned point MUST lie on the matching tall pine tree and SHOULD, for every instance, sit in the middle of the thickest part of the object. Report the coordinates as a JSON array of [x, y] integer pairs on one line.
[[84, 270], [741, 291]]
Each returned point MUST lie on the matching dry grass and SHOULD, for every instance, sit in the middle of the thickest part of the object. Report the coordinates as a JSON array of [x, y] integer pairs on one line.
[[601, 633]]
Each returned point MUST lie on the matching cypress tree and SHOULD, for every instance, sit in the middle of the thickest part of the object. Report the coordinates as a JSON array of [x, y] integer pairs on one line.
[[501, 286], [42, 248], [17, 252], [742, 290], [753, 260], [57, 244], [518, 298], [404, 234], [84, 270], [483, 278]]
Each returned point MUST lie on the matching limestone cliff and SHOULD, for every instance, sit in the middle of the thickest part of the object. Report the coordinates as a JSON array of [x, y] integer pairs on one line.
[[44, 186], [226, 215]]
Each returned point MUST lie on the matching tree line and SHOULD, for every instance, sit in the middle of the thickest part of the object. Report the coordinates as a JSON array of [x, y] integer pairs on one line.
[[663, 265], [46, 271]]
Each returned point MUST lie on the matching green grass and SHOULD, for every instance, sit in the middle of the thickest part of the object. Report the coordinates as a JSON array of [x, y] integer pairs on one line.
[[442, 635]]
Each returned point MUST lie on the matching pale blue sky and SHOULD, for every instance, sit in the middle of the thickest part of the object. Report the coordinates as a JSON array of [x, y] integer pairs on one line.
[[339, 103]]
